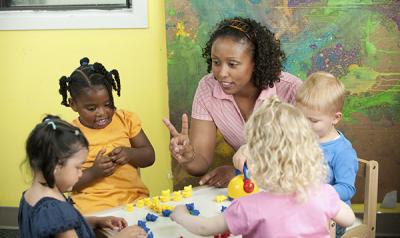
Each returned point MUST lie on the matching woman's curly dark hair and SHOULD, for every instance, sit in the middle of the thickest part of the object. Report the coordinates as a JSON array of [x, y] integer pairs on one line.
[[267, 54]]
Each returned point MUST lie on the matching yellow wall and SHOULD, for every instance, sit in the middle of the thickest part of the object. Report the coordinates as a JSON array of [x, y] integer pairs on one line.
[[31, 62]]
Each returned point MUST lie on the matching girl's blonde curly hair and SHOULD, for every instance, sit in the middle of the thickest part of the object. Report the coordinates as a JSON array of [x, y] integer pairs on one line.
[[282, 151]]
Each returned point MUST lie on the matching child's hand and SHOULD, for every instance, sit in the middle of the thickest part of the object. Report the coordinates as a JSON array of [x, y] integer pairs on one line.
[[103, 166], [120, 155], [131, 232], [114, 223], [239, 158], [178, 212]]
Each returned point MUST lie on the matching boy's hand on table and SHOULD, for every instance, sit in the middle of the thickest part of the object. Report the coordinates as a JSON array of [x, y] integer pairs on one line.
[[219, 177], [103, 166]]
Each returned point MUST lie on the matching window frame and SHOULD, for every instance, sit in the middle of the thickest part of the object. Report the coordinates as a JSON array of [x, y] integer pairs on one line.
[[134, 17]]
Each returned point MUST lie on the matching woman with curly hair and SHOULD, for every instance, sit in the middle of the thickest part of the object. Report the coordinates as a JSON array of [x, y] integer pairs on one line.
[[285, 160], [245, 61]]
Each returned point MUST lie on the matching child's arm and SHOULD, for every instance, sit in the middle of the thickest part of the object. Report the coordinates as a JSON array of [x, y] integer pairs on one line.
[[67, 234], [203, 226], [345, 217], [141, 154], [239, 158], [117, 223], [102, 167], [114, 223], [345, 166], [131, 232]]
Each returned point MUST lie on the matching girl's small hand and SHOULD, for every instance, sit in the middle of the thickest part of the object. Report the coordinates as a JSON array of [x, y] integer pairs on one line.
[[103, 166], [114, 223], [219, 177], [179, 145], [131, 232], [178, 212], [239, 158], [120, 155]]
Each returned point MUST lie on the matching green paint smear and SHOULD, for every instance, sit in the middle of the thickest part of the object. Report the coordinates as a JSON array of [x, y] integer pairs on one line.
[[374, 20], [186, 65], [359, 79], [334, 3], [375, 106], [185, 68], [370, 48], [171, 12]]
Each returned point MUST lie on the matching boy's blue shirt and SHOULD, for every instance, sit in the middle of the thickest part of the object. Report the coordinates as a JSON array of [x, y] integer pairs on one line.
[[343, 166]]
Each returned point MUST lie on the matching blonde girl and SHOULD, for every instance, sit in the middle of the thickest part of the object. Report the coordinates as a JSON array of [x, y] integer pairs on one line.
[[285, 160]]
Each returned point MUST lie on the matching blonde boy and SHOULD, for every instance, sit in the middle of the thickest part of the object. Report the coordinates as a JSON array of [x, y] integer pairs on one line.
[[321, 99]]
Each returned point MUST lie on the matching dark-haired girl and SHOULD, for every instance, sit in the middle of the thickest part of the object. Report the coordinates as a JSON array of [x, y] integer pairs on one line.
[[245, 61], [118, 145], [56, 151]]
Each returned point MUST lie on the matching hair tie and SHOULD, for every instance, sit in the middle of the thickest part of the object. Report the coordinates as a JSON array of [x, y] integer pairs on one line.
[[84, 61], [242, 27], [51, 123]]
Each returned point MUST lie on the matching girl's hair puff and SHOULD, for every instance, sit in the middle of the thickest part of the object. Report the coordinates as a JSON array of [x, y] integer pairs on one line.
[[51, 143], [265, 48], [283, 151], [89, 76]]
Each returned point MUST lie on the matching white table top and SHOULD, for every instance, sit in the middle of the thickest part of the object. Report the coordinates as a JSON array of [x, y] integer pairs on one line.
[[203, 199]]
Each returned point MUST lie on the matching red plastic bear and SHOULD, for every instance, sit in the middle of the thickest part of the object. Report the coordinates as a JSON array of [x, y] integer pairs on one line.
[[248, 186]]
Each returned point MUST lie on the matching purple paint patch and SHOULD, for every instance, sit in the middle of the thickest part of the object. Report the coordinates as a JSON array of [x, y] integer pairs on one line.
[[397, 19], [335, 60], [391, 11], [295, 3], [313, 46]]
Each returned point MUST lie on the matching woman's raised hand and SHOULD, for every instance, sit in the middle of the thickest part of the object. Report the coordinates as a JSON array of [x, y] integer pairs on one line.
[[180, 146]]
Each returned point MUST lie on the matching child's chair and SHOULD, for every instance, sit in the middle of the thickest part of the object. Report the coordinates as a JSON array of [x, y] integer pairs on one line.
[[367, 171]]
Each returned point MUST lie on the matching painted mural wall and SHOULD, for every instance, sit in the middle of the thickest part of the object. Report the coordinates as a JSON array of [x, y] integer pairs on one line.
[[356, 40]]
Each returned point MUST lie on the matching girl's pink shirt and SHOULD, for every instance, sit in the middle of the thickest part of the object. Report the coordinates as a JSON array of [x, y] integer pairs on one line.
[[271, 215]]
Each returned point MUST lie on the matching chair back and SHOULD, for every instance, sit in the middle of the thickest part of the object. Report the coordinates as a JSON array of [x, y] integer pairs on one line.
[[368, 172]]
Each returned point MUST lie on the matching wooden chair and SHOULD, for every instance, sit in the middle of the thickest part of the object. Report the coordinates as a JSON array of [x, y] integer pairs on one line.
[[368, 171]]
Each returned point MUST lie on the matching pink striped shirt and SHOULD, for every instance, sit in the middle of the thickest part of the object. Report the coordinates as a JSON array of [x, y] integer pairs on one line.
[[210, 103]]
